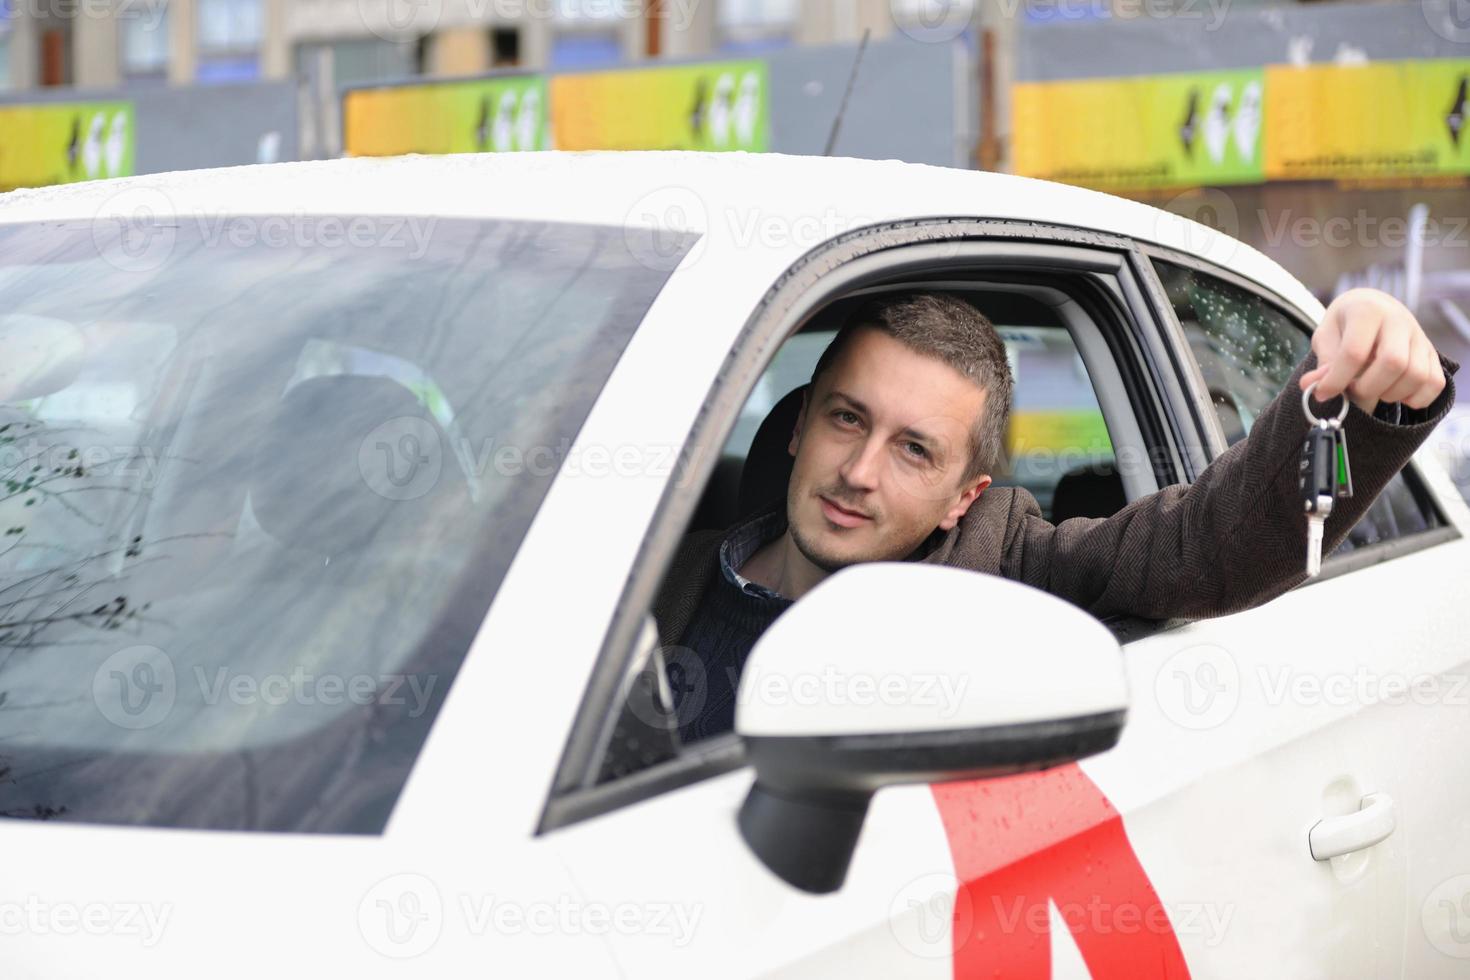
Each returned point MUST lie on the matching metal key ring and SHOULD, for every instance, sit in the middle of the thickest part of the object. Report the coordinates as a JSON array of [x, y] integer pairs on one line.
[[1307, 405]]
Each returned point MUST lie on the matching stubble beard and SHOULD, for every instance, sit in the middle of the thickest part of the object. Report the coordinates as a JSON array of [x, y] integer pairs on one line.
[[809, 549]]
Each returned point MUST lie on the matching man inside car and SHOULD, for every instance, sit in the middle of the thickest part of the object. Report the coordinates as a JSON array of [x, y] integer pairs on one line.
[[903, 423]]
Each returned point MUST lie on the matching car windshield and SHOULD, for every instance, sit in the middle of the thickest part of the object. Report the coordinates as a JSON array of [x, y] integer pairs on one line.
[[260, 479]]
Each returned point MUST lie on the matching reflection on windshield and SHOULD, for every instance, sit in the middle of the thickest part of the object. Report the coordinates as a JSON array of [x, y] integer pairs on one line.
[[321, 358], [253, 506]]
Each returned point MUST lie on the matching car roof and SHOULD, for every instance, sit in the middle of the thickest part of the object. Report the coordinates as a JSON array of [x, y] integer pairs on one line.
[[789, 203]]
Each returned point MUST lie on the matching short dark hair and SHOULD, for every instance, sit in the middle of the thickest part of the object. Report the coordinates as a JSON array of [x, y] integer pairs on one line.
[[949, 329]]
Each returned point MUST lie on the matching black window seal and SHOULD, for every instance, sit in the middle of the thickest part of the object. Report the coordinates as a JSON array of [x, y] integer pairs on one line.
[[1210, 435], [1163, 253]]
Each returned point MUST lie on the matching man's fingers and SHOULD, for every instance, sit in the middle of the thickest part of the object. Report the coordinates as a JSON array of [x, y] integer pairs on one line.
[[1415, 374], [1370, 348], [1360, 325], [1316, 374], [1327, 336], [1389, 361], [1429, 390], [1325, 341]]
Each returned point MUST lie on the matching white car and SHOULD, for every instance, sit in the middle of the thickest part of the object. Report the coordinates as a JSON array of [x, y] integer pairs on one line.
[[337, 493]]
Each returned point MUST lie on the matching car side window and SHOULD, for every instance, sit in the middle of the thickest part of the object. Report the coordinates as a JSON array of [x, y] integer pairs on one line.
[[1057, 443], [1075, 411], [1058, 447], [791, 368], [1247, 350]]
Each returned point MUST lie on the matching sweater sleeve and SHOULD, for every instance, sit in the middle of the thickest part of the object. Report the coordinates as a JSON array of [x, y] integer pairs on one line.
[[1234, 538]]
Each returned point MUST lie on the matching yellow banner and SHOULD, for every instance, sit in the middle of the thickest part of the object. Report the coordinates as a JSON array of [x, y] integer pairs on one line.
[[1145, 132], [1393, 119], [491, 114], [1384, 119], [61, 142], [1062, 430], [720, 105]]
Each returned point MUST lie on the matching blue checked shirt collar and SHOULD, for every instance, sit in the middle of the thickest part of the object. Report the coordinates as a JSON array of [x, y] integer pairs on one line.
[[746, 539]]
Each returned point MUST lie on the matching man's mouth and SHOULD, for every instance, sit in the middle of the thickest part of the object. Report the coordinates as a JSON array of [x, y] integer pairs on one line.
[[841, 515]]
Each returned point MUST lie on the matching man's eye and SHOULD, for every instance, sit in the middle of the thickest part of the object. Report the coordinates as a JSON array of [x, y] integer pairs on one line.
[[843, 415], [917, 450]]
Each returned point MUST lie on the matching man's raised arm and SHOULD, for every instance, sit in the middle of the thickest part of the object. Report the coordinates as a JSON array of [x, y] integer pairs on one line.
[[1237, 536]]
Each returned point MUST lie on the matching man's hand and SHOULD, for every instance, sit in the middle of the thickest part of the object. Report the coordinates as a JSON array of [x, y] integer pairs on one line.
[[1370, 346]]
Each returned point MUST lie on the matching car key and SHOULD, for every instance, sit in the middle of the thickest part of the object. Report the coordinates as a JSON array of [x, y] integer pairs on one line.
[[1324, 460], [1318, 488], [1344, 470]]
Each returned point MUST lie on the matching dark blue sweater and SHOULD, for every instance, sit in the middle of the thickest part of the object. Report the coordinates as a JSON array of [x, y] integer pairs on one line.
[[704, 671]]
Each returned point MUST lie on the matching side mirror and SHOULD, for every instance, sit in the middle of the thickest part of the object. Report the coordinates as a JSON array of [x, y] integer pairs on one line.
[[898, 672]]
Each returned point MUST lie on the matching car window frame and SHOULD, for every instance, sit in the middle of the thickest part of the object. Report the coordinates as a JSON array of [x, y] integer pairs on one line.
[[929, 249], [1333, 565]]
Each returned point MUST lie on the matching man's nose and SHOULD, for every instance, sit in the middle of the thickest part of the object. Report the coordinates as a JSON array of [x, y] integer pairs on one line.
[[862, 467]]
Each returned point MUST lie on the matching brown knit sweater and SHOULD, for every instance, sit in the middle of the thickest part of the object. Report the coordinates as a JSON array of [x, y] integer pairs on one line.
[[1234, 538]]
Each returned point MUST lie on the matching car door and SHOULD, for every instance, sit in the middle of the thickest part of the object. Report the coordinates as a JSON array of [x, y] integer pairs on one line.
[[962, 879], [1183, 851], [1325, 703]]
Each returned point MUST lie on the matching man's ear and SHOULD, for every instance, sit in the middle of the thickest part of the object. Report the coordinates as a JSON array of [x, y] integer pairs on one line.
[[963, 504], [800, 423]]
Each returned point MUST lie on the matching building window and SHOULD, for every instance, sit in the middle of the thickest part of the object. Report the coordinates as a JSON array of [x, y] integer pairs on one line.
[[229, 40], [586, 11], [756, 25], [5, 32], [505, 47], [585, 49], [587, 34], [142, 30]]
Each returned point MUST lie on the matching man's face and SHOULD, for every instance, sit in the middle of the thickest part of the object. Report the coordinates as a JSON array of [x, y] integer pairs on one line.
[[885, 433]]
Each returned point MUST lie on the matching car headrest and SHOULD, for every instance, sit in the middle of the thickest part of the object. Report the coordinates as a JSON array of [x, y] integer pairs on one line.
[[1228, 411], [1088, 491], [346, 459], [767, 471]]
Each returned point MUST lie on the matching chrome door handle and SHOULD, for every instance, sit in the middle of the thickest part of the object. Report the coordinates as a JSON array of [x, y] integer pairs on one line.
[[1374, 821]]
